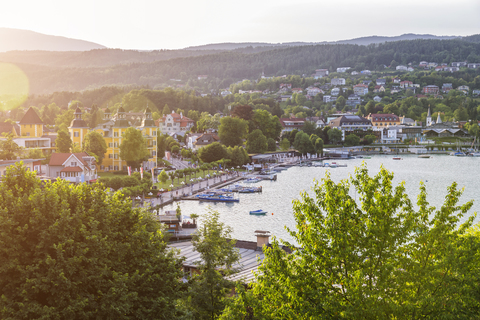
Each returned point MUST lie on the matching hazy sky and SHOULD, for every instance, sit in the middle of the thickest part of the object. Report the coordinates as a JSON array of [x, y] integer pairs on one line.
[[160, 24]]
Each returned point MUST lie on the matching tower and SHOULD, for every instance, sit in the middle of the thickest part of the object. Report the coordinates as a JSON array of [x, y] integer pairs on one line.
[[78, 128], [429, 118]]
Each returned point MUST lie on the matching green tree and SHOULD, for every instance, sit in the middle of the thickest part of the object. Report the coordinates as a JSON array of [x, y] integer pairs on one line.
[[285, 144], [133, 148], [63, 142], [161, 145], [8, 148], [352, 140], [334, 135], [95, 145], [207, 292], [63, 121], [212, 152], [271, 144], [319, 146], [303, 144], [268, 124], [232, 131], [256, 142], [74, 251], [166, 110], [341, 102], [163, 176], [375, 256], [370, 138]]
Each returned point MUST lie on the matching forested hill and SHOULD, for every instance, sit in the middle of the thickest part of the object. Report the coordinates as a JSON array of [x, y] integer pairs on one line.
[[236, 65]]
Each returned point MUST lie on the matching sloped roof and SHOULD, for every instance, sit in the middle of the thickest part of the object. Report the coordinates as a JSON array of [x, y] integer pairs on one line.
[[71, 169], [59, 159], [31, 117]]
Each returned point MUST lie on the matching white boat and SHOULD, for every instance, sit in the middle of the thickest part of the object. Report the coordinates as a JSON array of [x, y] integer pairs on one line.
[[458, 154]]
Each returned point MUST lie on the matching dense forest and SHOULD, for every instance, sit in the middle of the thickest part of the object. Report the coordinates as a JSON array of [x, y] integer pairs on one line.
[[224, 68]]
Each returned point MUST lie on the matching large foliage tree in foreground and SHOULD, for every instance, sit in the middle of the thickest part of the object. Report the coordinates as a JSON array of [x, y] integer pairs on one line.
[[75, 252], [368, 253]]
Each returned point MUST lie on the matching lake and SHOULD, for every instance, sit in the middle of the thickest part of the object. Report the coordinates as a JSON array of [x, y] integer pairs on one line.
[[438, 172]]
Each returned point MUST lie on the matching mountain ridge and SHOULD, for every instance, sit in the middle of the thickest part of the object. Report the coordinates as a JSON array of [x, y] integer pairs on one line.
[[19, 39]]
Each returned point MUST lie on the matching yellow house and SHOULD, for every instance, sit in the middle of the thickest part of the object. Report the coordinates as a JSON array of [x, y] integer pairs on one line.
[[78, 128], [384, 120], [29, 132], [112, 130]]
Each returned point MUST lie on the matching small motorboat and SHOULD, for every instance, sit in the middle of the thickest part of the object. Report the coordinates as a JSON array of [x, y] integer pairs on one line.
[[424, 156], [258, 212], [397, 158]]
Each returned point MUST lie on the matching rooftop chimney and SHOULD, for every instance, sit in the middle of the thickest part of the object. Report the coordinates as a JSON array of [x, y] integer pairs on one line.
[[262, 238]]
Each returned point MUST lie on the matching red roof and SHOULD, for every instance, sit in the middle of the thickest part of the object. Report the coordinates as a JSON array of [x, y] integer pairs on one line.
[[71, 169], [59, 159]]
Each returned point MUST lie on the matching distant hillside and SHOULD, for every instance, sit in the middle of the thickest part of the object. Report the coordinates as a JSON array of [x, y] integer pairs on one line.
[[223, 68], [16, 39], [364, 41]]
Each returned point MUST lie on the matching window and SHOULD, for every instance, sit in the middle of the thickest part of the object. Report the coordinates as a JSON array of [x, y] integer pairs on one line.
[[154, 142], [116, 156], [110, 144], [154, 153], [115, 168], [115, 134], [102, 167], [110, 156], [73, 164], [110, 167], [154, 133], [75, 134], [124, 168], [30, 126], [115, 144], [28, 134]]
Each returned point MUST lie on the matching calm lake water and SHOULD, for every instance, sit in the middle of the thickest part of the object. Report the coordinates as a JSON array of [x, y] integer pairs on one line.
[[438, 172]]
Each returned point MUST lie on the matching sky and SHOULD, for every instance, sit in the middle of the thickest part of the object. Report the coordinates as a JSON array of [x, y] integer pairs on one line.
[[160, 24]]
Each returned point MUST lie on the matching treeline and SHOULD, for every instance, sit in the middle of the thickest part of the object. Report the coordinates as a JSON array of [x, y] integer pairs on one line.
[[237, 65]]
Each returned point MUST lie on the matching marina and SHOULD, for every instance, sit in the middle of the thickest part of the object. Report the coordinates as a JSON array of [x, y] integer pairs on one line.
[[277, 196]]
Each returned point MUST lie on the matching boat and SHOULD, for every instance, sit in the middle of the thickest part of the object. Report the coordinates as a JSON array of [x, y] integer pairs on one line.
[[474, 154], [367, 157], [250, 189], [217, 197], [458, 154], [333, 165], [397, 158], [252, 180], [258, 212], [424, 156]]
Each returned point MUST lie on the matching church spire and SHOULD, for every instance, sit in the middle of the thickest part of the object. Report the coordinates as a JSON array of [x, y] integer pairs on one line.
[[439, 120]]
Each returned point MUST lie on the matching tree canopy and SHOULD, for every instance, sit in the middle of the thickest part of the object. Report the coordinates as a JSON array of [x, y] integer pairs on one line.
[[256, 142], [133, 148], [74, 251], [369, 253], [232, 131], [95, 144]]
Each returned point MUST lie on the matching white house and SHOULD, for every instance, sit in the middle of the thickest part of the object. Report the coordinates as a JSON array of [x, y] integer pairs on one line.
[[73, 167], [338, 82]]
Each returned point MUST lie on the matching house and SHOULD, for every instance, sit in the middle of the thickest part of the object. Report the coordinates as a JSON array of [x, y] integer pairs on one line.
[[384, 120], [335, 92], [473, 65], [354, 100], [367, 82], [30, 133], [406, 83], [286, 86], [396, 80], [410, 69], [191, 138], [225, 93], [366, 72], [320, 73], [285, 97], [360, 89], [338, 81], [204, 140], [73, 167], [342, 69], [313, 91], [30, 164], [423, 64], [202, 77], [390, 135], [401, 68], [354, 73], [297, 90], [458, 64], [347, 123], [431, 89], [379, 89], [377, 99], [289, 124], [174, 122], [412, 89], [112, 129], [381, 82], [446, 87], [451, 69], [464, 88], [407, 121], [476, 92], [328, 98]]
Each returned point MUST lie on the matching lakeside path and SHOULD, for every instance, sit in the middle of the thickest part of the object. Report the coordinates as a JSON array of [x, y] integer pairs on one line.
[[186, 191]]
